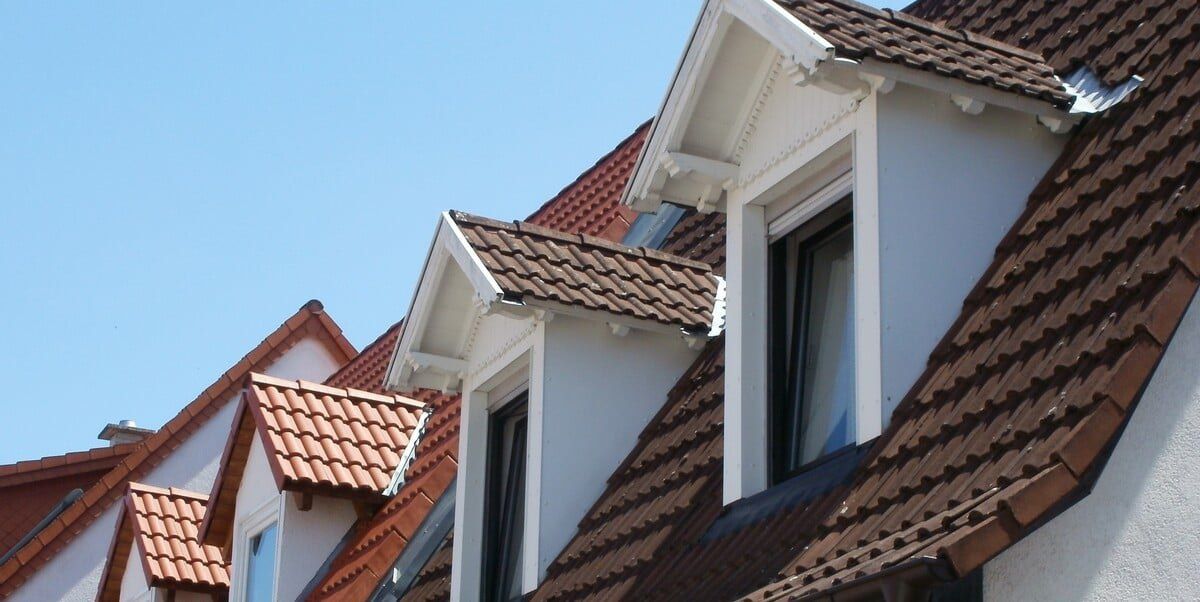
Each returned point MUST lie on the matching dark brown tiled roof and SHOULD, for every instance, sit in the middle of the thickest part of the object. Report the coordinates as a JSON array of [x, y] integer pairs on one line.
[[432, 583], [592, 203], [161, 527], [310, 321], [532, 263], [699, 236], [30, 489], [1013, 415], [858, 31], [377, 543]]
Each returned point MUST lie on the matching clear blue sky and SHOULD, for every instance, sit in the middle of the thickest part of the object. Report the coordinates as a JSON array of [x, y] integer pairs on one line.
[[177, 180]]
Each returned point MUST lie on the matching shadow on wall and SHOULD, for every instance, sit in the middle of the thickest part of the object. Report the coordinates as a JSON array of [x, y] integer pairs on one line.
[[1135, 536]]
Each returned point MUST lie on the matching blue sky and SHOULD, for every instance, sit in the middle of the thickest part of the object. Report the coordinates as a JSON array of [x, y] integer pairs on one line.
[[177, 180]]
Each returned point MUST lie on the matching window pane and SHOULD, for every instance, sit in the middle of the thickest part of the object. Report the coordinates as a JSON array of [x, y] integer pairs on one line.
[[828, 398], [260, 568], [506, 503]]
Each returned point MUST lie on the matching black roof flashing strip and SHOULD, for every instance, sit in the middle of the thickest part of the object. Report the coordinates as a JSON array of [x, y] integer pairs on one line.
[[421, 547], [58, 509]]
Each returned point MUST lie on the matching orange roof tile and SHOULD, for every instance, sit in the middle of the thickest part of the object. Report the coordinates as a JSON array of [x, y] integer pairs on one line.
[[592, 203], [532, 263], [317, 438], [377, 542], [310, 320], [164, 524]]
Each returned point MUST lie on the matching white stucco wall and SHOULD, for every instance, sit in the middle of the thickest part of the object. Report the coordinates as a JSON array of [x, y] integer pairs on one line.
[[950, 187], [74, 573], [1137, 535], [307, 539], [599, 392], [133, 582]]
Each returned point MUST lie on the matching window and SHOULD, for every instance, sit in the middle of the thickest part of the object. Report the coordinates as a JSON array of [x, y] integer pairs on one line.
[[260, 565], [505, 506], [811, 338]]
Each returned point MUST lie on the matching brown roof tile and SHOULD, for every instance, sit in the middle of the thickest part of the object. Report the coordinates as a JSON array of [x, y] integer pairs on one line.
[[532, 263], [432, 583], [310, 320], [858, 31], [1021, 399], [161, 527], [592, 203]]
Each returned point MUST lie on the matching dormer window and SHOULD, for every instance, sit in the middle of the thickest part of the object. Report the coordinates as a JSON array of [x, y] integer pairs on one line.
[[811, 339], [505, 507]]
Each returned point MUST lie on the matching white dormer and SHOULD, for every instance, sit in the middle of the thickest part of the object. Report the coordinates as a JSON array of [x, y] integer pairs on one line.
[[866, 192], [562, 347]]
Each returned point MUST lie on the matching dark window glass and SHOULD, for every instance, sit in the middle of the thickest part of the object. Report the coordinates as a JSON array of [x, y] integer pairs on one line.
[[506, 502], [260, 566], [811, 337]]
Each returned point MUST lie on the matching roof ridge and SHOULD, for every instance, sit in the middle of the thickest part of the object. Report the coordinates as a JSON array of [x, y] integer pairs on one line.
[[166, 491], [347, 392], [586, 240], [72, 521], [95, 453]]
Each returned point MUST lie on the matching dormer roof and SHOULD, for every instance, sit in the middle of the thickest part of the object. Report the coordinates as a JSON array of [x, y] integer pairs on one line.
[[318, 439], [478, 266], [160, 528]]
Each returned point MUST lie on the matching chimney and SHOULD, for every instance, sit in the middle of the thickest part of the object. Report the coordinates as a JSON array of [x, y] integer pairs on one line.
[[125, 431]]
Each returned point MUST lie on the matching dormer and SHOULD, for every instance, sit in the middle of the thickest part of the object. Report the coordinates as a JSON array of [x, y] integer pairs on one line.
[[869, 164], [562, 346], [303, 462]]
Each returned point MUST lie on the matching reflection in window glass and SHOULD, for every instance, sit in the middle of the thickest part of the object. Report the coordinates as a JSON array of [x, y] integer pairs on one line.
[[811, 344], [506, 502], [260, 566]]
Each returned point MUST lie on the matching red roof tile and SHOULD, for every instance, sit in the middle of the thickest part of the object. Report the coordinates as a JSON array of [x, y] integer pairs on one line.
[[532, 263], [310, 321], [858, 31], [317, 439], [367, 370], [592, 203], [30, 489], [377, 543], [1011, 419], [164, 525]]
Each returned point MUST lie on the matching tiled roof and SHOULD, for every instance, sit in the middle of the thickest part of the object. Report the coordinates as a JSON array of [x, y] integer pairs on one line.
[[432, 583], [858, 31], [376, 543], [366, 371], [592, 203], [30, 489], [317, 439], [164, 525], [328, 437], [532, 264], [699, 236], [310, 321], [1011, 419]]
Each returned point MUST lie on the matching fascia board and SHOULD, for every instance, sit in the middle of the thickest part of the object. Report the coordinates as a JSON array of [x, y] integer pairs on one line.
[[449, 243], [991, 96], [792, 38]]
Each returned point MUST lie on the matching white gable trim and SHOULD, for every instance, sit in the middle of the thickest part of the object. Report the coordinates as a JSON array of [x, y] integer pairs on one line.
[[449, 243]]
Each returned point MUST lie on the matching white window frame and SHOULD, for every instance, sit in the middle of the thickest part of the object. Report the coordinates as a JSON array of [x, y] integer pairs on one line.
[[247, 527], [786, 197], [518, 371]]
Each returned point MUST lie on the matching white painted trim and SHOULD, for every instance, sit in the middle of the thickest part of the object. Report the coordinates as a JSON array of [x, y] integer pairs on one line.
[[247, 526], [868, 317], [485, 285], [810, 206]]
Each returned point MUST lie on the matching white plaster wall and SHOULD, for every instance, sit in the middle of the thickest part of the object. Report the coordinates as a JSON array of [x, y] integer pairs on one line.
[[599, 392], [950, 187], [258, 484], [307, 538], [133, 582], [74, 573], [1137, 535]]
